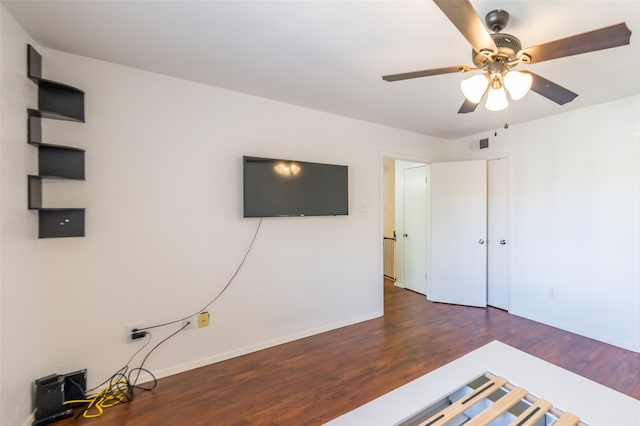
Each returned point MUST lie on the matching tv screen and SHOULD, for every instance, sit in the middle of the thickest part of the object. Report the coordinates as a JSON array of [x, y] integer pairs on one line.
[[274, 187]]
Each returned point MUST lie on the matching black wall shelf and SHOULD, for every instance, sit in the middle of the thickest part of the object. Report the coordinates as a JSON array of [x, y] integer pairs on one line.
[[57, 223], [35, 192], [60, 162], [59, 102], [55, 100]]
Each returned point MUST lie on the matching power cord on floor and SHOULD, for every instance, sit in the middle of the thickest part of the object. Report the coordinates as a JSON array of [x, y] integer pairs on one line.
[[115, 390], [120, 387]]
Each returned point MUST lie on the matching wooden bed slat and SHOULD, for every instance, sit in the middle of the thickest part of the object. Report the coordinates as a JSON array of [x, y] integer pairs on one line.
[[567, 419], [464, 403], [497, 408], [531, 415]]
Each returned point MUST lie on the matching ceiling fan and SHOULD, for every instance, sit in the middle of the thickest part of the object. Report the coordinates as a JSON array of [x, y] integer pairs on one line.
[[495, 54]]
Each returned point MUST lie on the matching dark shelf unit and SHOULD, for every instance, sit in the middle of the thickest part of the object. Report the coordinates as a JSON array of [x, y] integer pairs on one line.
[[59, 102], [58, 223], [54, 223]]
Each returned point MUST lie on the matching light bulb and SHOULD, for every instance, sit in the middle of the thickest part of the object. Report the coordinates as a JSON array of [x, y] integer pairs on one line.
[[496, 99], [473, 88], [518, 84], [287, 169]]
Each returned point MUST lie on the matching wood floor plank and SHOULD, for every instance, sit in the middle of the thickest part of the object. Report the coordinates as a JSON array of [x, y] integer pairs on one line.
[[313, 380]]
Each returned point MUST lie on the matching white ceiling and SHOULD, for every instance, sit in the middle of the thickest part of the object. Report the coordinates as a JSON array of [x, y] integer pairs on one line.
[[330, 55]]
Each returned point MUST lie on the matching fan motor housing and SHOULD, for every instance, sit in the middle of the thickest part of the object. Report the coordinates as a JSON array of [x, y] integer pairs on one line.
[[508, 45]]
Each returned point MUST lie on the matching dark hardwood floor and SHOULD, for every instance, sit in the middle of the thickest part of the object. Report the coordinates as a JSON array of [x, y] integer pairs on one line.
[[313, 380]]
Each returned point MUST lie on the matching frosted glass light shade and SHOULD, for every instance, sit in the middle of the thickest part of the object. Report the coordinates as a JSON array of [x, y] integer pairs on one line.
[[473, 88], [518, 84], [497, 100]]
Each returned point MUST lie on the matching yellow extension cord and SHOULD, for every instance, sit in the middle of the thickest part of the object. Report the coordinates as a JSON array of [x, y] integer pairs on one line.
[[111, 395]]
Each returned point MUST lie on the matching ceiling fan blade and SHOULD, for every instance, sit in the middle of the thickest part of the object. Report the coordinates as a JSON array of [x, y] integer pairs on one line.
[[604, 38], [467, 107], [466, 20], [426, 73], [551, 90]]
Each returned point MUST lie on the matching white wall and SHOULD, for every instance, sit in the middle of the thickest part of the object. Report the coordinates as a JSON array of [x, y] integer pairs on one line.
[[164, 230], [575, 182], [20, 348]]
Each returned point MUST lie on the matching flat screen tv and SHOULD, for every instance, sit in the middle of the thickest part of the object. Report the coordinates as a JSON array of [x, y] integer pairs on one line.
[[274, 187]]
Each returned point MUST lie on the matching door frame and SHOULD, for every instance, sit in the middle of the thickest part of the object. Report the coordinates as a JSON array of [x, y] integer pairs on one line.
[[400, 278], [424, 160]]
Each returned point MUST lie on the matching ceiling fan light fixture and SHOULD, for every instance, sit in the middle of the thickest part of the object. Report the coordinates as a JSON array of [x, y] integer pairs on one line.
[[496, 99], [473, 88], [517, 84]]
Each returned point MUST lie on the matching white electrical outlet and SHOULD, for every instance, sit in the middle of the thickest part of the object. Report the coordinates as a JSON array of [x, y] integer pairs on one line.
[[192, 320], [129, 332]]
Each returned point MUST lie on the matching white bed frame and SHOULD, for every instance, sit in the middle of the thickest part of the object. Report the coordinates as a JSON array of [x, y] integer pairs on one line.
[[592, 403]]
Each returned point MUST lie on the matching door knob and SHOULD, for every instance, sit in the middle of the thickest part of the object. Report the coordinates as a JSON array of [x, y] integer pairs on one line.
[[481, 241], [503, 242], [405, 235]]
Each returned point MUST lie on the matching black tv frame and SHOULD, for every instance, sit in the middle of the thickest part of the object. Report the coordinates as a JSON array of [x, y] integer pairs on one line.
[[300, 188]]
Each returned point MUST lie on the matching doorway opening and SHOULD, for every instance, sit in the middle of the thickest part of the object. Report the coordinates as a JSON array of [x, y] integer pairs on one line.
[[425, 233], [405, 223]]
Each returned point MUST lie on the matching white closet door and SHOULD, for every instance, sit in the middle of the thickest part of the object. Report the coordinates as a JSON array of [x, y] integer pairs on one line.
[[498, 240], [458, 233]]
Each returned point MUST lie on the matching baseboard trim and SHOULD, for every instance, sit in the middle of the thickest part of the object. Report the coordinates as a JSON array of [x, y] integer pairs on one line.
[[630, 346], [181, 368], [29, 421]]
